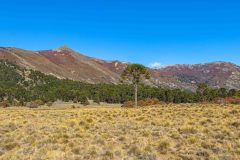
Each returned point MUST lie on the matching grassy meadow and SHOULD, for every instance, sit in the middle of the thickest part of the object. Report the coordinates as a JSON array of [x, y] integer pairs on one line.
[[173, 131]]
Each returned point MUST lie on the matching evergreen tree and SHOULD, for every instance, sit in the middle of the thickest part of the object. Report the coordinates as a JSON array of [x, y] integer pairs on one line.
[[135, 73]]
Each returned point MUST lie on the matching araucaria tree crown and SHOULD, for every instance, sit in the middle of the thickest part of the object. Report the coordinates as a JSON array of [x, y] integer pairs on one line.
[[135, 73]]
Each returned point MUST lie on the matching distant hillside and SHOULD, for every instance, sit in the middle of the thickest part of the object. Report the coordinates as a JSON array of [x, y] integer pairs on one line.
[[66, 63], [215, 74], [20, 85]]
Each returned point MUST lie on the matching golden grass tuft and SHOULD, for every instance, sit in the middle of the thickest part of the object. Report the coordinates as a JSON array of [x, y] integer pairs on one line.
[[167, 131]]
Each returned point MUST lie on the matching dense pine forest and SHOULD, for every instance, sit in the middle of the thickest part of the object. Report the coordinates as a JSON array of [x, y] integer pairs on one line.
[[18, 86]]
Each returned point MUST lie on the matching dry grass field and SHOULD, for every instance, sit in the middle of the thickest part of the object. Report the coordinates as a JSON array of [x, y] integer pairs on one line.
[[184, 131]]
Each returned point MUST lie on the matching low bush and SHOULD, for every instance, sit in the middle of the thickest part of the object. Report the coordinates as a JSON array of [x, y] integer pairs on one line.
[[128, 104], [4, 104], [49, 104], [232, 100], [34, 104], [228, 100], [148, 102], [84, 101], [39, 102], [142, 103]]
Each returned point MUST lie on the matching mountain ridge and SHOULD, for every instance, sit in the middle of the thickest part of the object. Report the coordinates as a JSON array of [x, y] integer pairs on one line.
[[64, 62]]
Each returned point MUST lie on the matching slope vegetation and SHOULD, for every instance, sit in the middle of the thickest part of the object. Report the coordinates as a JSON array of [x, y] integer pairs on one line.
[[66, 63]]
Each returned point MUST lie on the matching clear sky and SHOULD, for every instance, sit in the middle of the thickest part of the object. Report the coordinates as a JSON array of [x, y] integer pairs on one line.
[[139, 31]]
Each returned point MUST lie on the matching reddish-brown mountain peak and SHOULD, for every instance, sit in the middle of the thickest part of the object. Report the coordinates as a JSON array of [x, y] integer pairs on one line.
[[58, 52], [59, 56], [64, 49]]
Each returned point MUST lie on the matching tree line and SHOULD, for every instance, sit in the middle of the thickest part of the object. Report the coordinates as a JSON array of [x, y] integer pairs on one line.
[[18, 85]]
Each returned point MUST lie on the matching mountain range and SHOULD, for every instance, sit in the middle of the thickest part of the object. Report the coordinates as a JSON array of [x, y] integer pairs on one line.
[[63, 63]]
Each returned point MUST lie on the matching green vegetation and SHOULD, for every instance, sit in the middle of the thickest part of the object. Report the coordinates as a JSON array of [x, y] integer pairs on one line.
[[18, 86]]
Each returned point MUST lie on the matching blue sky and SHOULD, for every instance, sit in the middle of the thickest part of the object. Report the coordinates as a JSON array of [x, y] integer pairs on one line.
[[139, 31]]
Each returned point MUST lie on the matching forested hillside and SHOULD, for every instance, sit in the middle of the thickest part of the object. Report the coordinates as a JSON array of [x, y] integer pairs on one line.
[[18, 86], [64, 62]]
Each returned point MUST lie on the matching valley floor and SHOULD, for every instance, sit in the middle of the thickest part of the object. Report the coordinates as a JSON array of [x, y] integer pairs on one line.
[[184, 131]]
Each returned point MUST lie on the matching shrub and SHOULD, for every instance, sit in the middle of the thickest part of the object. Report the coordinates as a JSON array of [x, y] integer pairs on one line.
[[21, 103], [49, 104], [142, 103], [39, 102], [75, 100], [228, 100], [148, 102], [96, 100], [128, 104], [232, 100], [33, 104], [220, 101], [4, 104], [84, 101], [18, 103]]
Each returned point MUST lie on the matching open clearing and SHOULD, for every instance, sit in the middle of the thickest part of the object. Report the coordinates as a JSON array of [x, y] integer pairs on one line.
[[184, 131]]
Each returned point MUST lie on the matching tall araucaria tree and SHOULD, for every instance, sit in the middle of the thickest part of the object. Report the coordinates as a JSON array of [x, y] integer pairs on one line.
[[135, 73]]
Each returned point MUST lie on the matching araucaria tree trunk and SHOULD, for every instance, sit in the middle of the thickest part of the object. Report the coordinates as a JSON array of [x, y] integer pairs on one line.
[[136, 94]]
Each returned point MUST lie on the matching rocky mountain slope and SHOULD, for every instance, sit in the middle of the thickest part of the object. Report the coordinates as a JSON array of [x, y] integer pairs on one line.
[[66, 63], [62, 63], [215, 74]]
